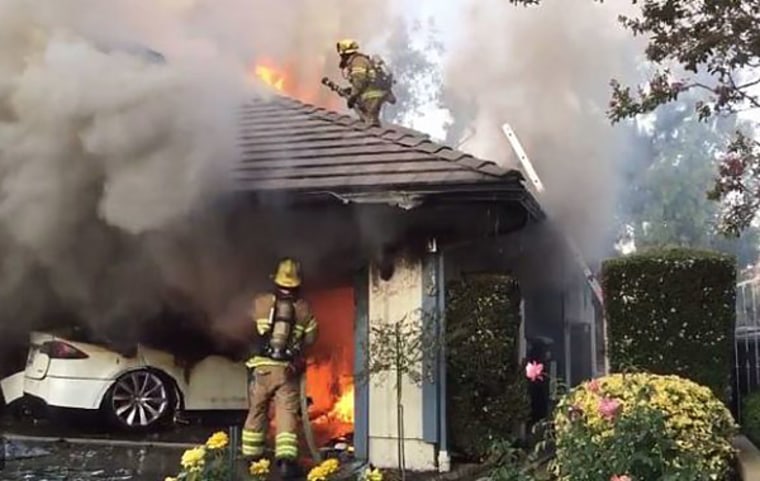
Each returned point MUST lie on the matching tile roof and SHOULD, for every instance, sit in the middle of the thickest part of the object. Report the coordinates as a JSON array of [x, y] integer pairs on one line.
[[288, 145]]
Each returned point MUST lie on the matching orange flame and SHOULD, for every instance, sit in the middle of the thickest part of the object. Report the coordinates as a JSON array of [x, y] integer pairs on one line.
[[270, 76], [329, 376], [299, 81], [343, 410]]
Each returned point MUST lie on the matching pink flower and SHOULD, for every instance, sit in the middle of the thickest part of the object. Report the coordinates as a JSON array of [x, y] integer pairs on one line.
[[534, 371], [622, 477], [593, 386], [609, 408]]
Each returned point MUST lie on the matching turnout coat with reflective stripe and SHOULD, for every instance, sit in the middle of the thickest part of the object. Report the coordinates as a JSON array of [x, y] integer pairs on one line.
[[304, 329]]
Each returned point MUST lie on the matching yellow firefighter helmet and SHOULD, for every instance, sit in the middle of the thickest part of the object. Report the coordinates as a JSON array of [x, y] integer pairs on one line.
[[288, 274], [347, 46]]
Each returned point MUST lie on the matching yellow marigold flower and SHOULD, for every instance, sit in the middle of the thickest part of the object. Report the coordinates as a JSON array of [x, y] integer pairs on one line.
[[259, 468], [193, 458], [316, 474], [698, 422], [324, 470], [331, 465], [373, 475], [218, 440]]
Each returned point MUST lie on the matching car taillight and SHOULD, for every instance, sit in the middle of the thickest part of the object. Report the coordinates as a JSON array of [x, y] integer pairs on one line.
[[61, 350]]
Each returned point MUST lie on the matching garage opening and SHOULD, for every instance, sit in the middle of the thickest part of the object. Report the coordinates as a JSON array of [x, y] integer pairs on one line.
[[330, 376]]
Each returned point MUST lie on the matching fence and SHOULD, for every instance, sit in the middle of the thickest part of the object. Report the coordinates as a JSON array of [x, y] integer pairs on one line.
[[746, 372]]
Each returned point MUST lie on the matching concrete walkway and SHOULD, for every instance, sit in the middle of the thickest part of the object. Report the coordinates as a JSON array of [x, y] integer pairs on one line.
[[85, 461], [749, 459]]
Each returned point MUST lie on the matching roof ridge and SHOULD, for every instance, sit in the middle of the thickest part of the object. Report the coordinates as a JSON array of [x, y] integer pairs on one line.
[[397, 134]]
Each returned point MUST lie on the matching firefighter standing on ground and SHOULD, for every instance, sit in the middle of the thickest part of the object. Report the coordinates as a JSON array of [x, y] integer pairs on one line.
[[285, 325], [368, 91]]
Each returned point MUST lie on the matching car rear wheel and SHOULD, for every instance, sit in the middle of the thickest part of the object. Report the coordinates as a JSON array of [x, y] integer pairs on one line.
[[140, 400]]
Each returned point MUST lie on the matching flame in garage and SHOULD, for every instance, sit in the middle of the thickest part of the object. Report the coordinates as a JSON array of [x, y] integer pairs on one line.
[[329, 376], [343, 410]]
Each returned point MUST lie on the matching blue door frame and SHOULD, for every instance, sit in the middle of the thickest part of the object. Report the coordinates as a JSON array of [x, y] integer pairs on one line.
[[434, 428], [361, 380]]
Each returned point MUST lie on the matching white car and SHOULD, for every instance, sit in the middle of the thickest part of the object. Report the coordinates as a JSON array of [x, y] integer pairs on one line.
[[135, 392]]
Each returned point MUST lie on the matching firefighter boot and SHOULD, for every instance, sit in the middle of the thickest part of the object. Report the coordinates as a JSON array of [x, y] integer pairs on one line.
[[289, 469]]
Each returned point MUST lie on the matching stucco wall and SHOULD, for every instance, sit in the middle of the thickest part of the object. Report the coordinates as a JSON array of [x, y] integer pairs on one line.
[[399, 298]]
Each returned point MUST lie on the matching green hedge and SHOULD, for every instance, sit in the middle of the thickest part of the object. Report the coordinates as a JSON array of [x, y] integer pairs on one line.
[[672, 311], [750, 421], [487, 393]]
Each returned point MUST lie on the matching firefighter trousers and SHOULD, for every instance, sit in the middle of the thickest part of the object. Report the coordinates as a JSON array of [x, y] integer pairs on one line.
[[369, 109], [272, 384]]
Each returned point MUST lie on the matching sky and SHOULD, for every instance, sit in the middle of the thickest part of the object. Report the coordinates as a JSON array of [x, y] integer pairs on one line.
[[432, 119]]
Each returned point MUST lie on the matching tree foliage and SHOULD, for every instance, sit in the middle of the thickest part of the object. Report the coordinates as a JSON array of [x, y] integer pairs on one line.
[[666, 197], [418, 80], [711, 49]]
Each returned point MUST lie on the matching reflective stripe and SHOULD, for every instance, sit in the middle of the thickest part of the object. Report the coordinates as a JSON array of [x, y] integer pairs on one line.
[[252, 443], [298, 328], [258, 361], [286, 446], [262, 325], [311, 325], [252, 450], [373, 94], [285, 453], [252, 436], [359, 70]]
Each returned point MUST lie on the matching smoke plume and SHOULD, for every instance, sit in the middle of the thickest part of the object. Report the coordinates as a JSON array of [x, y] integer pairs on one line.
[[545, 70], [118, 126]]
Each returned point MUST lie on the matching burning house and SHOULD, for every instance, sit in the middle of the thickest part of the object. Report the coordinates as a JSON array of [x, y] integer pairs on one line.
[[405, 216], [381, 219]]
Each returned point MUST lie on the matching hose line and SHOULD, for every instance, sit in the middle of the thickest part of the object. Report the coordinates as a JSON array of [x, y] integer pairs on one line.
[[307, 431]]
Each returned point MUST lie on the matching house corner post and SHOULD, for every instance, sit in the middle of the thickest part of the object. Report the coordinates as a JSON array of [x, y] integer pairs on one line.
[[398, 300]]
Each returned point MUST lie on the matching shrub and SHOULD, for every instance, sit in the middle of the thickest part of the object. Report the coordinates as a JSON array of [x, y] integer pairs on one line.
[[487, 394], [671, 311], [644, 426], [751, 416]]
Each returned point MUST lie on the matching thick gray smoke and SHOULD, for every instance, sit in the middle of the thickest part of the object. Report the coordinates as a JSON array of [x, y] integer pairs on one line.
[[118, 126], [112, 157], [545, 70]]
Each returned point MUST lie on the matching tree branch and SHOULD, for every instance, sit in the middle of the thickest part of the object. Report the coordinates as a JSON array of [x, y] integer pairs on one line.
[[750, 98]]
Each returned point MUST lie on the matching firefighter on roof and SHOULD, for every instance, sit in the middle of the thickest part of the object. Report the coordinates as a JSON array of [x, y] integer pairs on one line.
[[370, 81], [285, 325]]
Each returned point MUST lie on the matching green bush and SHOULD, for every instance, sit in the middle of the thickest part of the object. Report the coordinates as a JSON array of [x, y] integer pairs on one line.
[[645, 426], [751, 417], [671, 311], [487, 392]]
